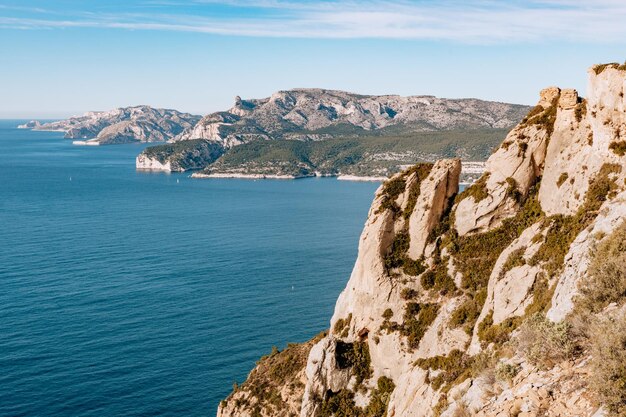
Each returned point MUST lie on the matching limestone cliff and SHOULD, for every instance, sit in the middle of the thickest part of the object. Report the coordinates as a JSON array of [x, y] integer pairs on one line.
[[466, 303]]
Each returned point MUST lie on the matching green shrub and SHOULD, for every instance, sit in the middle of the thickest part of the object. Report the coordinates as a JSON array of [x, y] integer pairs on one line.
[[581, 110], [562, 178], [387, 314], [397, 256], [379, 399], [506, 371], [512, 190], [564, 229], [421, 171], [478, 190], [456, 367], [535, 111], [408, 293], [342, 326], [441, 406], [438, 278], [598, 69], [412, 267], [489, 332], [466, 315], [618, 148], [392, 188], [273, 373], [544, 118], [417, 319], [522, 147], [515, 259], [357, 357], [475, 255], [542, 296], [340, 404], [397, 253]]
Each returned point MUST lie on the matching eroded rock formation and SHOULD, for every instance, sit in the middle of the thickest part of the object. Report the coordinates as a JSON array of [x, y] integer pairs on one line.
[[446, 285]]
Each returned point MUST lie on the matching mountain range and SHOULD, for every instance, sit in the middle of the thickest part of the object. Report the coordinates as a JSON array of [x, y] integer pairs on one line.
[[368, 135]]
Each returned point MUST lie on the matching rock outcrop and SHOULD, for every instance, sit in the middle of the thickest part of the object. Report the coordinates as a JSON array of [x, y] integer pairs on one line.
[[172, 157], [122, 125], [444, 311], [33, 124]]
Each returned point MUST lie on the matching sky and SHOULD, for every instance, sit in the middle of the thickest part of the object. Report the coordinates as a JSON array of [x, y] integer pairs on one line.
[[64, 57]]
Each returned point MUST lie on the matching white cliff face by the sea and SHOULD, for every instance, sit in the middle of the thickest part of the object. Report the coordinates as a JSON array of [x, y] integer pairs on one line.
[[144, 162], [122, 125], [444, 281], [302, 113]]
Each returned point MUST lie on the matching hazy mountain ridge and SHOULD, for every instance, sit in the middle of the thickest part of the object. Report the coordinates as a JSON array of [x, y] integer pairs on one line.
[[122, 125]]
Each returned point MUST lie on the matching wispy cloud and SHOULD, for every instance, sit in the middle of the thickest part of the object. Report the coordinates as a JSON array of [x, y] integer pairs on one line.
[[478, 21]]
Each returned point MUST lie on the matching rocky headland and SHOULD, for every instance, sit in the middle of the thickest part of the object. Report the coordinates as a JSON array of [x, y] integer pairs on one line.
[[303, 131], [33, 124], [506, 299], [121, 125]]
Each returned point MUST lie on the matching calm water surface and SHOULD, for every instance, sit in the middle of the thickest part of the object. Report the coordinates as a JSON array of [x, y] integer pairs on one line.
[[134, 294]]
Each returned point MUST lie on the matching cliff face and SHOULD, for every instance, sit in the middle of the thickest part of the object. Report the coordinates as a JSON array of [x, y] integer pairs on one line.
[[172, 157], [122, 125], [464, 304]]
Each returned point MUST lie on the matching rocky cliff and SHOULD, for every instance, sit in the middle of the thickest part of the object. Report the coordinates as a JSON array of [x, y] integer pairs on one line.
[[506, 299], [177, 157], [122, 125]]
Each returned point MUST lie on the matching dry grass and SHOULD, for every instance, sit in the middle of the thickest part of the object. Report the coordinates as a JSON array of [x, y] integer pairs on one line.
[[605, 282], [608, 364], [545, 343]]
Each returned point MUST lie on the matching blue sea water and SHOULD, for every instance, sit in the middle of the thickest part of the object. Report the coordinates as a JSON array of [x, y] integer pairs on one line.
[[133, 294]]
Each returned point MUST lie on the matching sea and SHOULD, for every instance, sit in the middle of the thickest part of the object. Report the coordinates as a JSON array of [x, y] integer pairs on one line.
[[126, 293]]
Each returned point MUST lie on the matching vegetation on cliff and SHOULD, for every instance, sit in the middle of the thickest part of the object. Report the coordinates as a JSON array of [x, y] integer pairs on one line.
[[272, 385], [373, 155]]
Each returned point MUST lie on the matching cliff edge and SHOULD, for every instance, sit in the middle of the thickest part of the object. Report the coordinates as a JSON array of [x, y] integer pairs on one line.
[[505, 299]]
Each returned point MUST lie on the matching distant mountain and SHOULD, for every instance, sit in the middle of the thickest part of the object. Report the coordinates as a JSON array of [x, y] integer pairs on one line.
[[316, 114], [370, 135], [122, 125]]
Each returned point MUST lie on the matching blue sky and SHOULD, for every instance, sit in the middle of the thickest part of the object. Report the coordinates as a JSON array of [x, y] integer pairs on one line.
[[65, 57]]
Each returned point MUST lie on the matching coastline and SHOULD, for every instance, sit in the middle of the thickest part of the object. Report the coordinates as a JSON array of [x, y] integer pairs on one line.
[[249, 176], [286, 177], [359, 178]]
